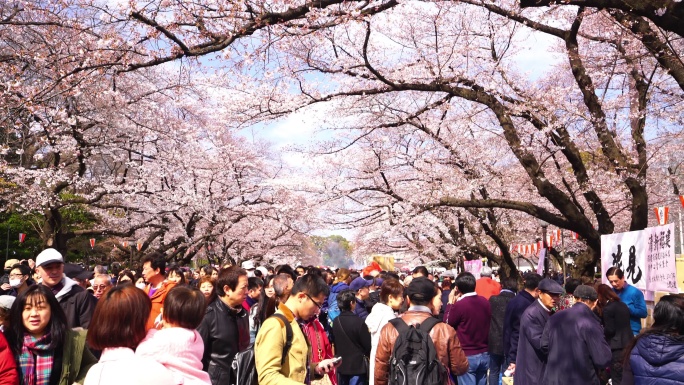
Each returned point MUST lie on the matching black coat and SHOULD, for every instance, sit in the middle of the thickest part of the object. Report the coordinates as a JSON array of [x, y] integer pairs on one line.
[[511, 332], [531, 359], [496, 326], [575, 347], [616, 325], [350, 341], [78, 305], [225, 332]]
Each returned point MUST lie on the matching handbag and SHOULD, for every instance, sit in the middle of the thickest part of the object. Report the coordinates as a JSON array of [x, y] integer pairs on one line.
[[366, 359]]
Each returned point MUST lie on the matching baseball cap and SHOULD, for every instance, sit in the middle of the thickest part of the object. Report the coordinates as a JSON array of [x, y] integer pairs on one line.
[[10, 263], [585, 292], [358, 283], [248, 265], [550, 286], [421, 289], [49, 256]]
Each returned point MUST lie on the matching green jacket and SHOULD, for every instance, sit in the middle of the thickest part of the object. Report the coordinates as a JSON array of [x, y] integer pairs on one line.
[[76, 358]]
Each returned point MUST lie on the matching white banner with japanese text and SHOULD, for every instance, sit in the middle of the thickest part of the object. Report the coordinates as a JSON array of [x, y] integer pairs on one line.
[[474, 267], [646, 257]]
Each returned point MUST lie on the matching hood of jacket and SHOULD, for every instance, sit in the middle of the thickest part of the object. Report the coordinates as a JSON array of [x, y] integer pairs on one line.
[[338, 287], [378, 317], [660, 349], [68, 284], [178, 349]]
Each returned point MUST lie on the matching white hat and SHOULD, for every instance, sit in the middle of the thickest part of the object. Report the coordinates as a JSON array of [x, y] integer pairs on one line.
[[248, 265], [6, 301], [263, 271], [48, 256]]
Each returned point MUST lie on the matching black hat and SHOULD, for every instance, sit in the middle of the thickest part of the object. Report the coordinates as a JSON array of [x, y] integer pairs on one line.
[[550, 286], [77, 272], [421, 289], [585, 292]]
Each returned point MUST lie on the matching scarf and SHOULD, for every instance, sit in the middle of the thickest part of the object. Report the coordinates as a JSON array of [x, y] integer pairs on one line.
[[36, 360]]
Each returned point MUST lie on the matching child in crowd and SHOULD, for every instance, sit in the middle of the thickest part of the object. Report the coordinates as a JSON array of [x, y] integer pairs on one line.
[[178, 346]]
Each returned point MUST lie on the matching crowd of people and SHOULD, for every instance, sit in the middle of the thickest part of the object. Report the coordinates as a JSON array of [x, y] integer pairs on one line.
[[267, 325]]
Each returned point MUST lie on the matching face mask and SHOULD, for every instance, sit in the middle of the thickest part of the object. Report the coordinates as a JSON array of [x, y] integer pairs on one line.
[[140, 285], [15, 283]]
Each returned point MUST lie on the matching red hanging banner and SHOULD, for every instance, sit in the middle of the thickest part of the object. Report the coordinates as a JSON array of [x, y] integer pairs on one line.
[[575, 236], [22, 237], [661, 213], [139, 246], [92, 243], [125, 244], [681, 199]]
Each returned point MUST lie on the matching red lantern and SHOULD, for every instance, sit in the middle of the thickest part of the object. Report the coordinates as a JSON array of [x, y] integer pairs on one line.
[[22, 237], [92, 243]]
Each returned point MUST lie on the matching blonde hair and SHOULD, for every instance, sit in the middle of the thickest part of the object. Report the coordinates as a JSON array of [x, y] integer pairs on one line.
[[342, 275]]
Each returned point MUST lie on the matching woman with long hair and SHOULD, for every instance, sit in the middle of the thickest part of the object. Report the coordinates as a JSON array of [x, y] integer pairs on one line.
[[176, 275], [257, 313], [46, 350], [657, 354], [117, 328], [616, 327]]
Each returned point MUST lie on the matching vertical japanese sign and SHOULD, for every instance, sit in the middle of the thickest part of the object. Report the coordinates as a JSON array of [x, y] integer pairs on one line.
[[646, 257], [474, 267]]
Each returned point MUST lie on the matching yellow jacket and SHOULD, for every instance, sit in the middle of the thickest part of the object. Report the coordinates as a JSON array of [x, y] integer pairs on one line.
[[268, 349]]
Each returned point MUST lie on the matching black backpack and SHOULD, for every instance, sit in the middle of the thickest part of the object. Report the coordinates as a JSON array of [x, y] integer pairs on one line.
[[244, 367], [414, 357]]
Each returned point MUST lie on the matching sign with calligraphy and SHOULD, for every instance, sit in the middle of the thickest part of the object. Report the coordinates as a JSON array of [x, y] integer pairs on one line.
[[646, 257], [474, 267]]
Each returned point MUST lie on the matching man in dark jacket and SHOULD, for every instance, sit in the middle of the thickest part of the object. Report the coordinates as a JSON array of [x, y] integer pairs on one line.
[[498, 305], [514, 311], [353, 341], [360, 287], [531, 360], [225, 327], [78, 304], [573, 340]]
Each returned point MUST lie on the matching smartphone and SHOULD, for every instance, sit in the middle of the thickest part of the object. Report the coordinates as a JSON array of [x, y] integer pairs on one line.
[[337, 360]]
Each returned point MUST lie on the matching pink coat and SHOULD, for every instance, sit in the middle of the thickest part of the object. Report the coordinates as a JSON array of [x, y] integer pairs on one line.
[[120, 366], [179, 350]]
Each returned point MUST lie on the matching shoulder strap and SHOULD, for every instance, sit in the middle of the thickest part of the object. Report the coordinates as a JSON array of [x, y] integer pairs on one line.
[[428, 324], [400, 325], [288, 334], [338, 319]]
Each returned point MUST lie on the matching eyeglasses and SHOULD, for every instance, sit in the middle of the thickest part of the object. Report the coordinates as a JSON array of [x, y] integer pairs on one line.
[[315, 303], [99, 287]]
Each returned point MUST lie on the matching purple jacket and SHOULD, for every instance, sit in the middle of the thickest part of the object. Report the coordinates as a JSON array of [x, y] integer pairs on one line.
[[576, 347], [531, 360]]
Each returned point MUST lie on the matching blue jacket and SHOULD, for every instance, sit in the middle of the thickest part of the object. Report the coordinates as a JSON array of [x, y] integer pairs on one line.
[[657, 359], [360, 309], [574, 342], [511, 331], [634, 299], [531, 359]]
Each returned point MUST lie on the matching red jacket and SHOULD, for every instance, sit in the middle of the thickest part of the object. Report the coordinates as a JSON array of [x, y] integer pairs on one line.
[[8, 367], [487, 287]]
